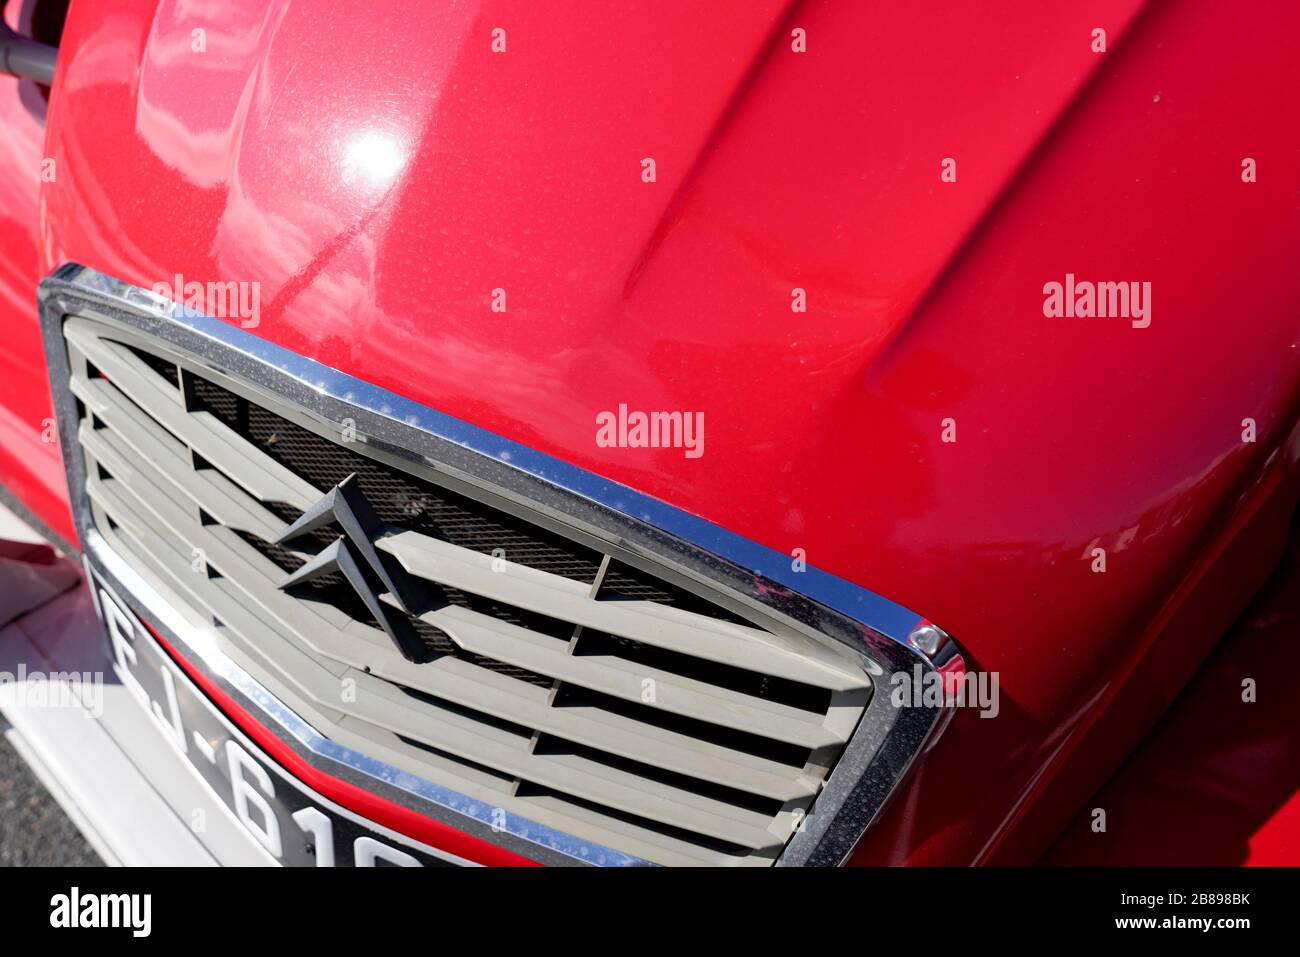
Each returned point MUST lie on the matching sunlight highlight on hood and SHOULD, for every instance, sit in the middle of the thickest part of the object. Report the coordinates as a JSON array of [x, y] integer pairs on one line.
[[374, 158]]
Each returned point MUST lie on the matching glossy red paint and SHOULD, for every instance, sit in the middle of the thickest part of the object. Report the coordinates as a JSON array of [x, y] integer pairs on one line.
[[1216, 767], [30, 468], [379, 171]]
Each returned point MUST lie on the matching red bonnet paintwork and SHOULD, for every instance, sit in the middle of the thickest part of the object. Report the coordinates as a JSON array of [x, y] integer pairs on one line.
[[379, 171]]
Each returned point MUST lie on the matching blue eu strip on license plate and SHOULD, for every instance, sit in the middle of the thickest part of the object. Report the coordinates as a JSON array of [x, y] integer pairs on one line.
[[291, 822]]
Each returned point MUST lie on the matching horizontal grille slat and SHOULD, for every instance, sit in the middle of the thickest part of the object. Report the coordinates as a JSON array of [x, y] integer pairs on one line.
[[615, 676], [502, 698], [201, 431], [538, 591], [452, 732], [593, 698], [541, 654], [642, 621], [550, 809], [204, 488], [396, 498]]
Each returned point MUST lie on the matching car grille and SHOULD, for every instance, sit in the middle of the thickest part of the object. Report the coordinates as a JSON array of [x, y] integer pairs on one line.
[[578, 687]]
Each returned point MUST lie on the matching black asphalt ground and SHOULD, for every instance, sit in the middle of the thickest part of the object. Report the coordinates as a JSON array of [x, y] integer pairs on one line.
[[34, 831]]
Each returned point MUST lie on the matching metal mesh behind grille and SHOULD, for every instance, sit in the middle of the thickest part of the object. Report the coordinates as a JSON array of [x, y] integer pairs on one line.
[[565, 684], [332, 590], [397, 498]]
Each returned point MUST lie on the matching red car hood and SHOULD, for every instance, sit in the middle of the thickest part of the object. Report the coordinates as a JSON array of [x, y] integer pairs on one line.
[[379, 176], [380, 171]]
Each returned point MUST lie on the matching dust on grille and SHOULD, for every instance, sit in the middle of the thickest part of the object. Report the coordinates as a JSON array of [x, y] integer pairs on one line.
[[407, 502], [690, 783]]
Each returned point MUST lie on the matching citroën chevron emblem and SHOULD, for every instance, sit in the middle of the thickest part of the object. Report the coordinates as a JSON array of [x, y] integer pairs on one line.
[[354, 556]]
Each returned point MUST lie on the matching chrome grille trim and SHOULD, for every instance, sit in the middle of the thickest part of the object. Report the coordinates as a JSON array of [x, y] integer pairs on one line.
[[757, 583]]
